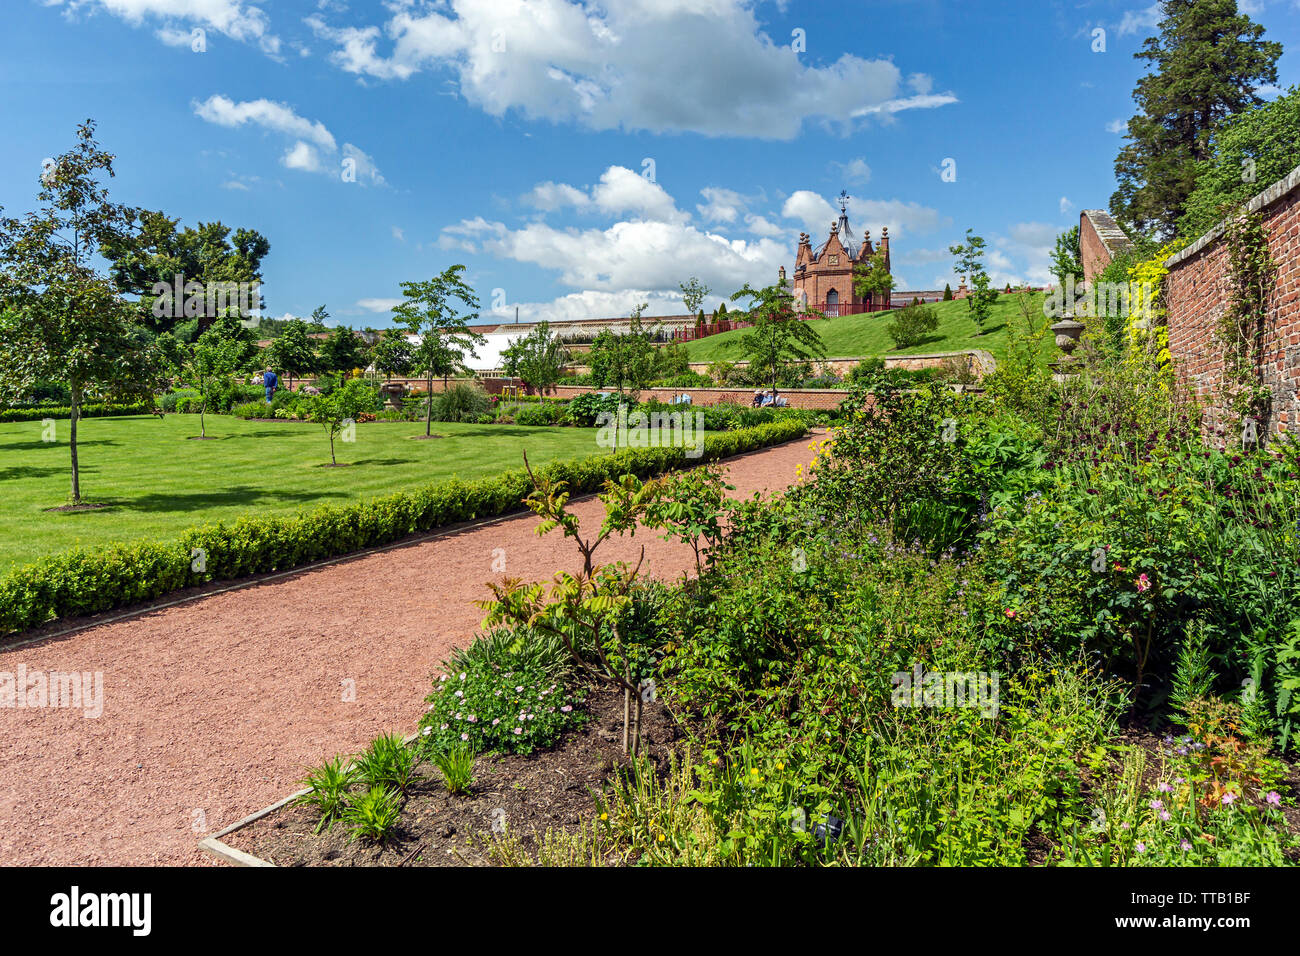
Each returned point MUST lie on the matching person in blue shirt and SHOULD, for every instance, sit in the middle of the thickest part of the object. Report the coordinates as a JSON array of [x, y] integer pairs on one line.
[[270, 380]]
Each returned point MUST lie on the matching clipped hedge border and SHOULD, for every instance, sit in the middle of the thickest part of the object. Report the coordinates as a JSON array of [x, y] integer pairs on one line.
[[84, 581], [63, 411]]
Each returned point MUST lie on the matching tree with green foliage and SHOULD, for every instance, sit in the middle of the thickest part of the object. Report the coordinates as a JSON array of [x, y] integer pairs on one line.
[[393, 355], [1251, 151], [152, 251], [208, 363], [1206, 64], [538, 358], [1066, 258], [62, 320], [694, 292], [947, 292], [624, 360], [778, 339], [340, 409], [342, 351], [293, 351], [970, 266], [429, 313], [872, 279]]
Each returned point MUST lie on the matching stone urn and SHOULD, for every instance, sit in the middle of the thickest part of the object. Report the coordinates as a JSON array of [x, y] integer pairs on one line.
[[1067, 333], [393, 393]]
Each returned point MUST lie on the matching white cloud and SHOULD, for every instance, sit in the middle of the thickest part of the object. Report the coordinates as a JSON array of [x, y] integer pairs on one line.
[[659, 65], [1065, 205], [816, 214], [398, 233], [591, 304], [378, 304], [277, 117], [619, 191], [1140, 20], [627, 255], [855, 170], [721, 205], [231, 18], [314, 150], [1117, 126]]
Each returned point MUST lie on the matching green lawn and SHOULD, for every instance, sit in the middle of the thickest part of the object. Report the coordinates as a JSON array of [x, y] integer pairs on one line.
[[862, 336], [158, 482]]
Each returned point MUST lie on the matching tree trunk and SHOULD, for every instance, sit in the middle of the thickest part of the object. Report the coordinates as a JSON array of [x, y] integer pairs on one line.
[[72, 439], [428, 409]]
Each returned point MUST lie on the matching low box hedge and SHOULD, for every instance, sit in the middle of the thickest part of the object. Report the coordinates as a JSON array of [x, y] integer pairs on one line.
[[93, 580], [40, 413]]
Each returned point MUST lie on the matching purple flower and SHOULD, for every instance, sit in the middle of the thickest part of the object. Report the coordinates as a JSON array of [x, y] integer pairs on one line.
[[1156, 805], [1141, 847], [1184, 846], [1229, 799], [1165, 788], [1274, 798], [1164, 815]]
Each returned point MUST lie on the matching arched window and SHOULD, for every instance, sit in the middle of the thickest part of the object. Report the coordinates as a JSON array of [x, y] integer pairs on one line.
[[833, 302]]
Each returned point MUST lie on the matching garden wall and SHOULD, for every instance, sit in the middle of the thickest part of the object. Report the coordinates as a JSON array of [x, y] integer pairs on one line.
[[1196, 295]]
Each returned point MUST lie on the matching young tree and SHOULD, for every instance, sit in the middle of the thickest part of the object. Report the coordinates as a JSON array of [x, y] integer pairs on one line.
[[871, 278], [777, 339], [293, 351], [694, 293], [342, 351], [207, 364], [538, 358], [429, 312], [393, 355], [1066, 258], [64, 322], [625, 360], [947, 292], [970, 266], [341, 408], [1207, 63]]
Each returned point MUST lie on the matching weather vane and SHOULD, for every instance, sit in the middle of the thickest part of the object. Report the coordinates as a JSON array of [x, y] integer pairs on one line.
[[844, 200]]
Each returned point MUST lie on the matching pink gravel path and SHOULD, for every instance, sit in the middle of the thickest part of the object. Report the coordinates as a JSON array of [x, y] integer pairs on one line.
[[213, 707]]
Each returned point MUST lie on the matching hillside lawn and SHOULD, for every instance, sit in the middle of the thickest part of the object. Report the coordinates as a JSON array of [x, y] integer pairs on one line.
[[158, 482], [863, 336]]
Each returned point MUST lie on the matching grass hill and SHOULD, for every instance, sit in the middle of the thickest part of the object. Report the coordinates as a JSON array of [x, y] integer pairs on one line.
[[864, 336]]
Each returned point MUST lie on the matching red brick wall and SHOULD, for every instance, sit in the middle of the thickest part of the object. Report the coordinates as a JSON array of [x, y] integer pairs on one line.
[[1196, 295], [800, 398]]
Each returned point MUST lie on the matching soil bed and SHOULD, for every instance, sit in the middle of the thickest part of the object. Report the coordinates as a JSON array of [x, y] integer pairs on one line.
[[545, 790]]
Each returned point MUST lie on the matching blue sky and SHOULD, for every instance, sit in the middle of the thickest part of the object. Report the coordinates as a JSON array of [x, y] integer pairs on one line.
[[580, 158]]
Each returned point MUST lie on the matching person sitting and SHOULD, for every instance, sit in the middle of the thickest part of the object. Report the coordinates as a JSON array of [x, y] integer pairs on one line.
[[758, 397], [767, 400]]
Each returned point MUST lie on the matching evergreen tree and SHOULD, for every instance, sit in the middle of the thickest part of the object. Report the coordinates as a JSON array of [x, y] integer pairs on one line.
[[1206, 64]]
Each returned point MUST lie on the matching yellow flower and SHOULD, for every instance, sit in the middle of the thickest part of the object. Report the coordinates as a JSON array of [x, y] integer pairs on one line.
[[754, 771], [661, 838], [780, 765], [604, 816]]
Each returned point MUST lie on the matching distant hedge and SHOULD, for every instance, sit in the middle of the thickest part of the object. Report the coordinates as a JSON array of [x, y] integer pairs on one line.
[[92, 580], [63, 411]]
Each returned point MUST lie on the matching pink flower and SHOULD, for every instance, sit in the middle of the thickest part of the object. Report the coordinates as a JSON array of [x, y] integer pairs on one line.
[[1229, 799], [566, 708], [1141, 847], [1184, 846], [1274, 798], [1143, 583], [519, 730], [464, 736]]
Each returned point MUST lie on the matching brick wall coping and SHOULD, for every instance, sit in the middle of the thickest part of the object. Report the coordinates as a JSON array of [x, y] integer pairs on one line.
[[1285, 185]]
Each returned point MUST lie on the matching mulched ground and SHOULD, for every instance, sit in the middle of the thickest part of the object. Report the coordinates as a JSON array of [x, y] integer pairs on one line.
[[544, 791], [213, 707]]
